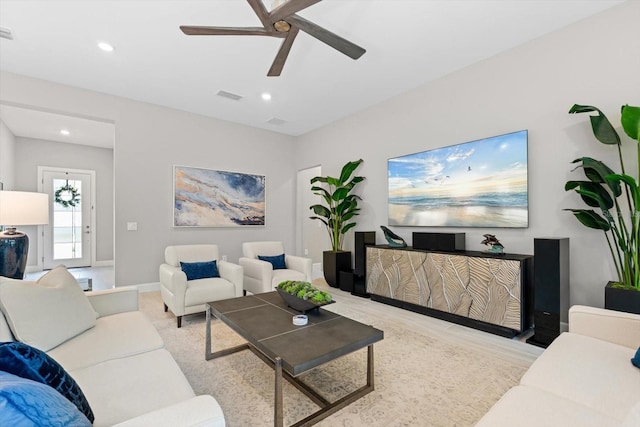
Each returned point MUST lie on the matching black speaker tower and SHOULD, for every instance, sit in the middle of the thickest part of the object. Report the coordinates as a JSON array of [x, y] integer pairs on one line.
[[551, 289], [356, 281], [362, 239]]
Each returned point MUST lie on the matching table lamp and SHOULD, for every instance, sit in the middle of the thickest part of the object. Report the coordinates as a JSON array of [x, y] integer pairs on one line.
[[19, 208]]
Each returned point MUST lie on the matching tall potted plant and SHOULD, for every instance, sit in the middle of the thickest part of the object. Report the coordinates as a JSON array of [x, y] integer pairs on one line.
[[337, 214], [617, 198]]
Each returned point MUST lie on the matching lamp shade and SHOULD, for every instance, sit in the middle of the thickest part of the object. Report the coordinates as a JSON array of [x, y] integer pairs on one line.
[[23, 208]]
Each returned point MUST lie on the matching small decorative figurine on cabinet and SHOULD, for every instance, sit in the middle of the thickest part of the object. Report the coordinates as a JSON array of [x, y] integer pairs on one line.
[[393, 239], [495, 247]]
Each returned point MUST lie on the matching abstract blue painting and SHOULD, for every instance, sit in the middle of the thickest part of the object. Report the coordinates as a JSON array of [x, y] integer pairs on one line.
[[476, 184], [213, 198]]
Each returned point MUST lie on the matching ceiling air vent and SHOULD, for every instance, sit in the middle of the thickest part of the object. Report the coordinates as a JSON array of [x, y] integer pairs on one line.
[[276, 121], [229, 95], [5, 33]]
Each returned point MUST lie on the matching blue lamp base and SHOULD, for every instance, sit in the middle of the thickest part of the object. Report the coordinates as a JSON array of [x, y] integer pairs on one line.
[[14, 248]]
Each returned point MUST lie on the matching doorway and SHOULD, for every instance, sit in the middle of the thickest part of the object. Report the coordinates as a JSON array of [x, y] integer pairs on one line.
[[68, 238], [312, 237]]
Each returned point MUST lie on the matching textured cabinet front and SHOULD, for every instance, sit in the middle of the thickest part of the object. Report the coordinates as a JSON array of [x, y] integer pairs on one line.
[[486, 289]]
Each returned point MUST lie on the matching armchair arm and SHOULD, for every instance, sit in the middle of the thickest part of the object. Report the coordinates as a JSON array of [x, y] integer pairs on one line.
[[233, 273], [173, 281], [300, 264], [199, 411], [257, 275], [113, 301], [607, 325], [257, 269]]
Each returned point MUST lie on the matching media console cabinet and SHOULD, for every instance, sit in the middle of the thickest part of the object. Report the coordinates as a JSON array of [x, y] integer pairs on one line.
[[490, 292]]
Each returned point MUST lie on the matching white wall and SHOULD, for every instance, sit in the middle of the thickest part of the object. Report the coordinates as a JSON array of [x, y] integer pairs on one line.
[[312, 235], [7, 154], [31, 153], [531, 87], [149, 141]]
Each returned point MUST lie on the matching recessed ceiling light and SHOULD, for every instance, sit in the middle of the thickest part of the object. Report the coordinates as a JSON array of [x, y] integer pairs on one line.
[[266, 96], [105, 46], [65, 132]]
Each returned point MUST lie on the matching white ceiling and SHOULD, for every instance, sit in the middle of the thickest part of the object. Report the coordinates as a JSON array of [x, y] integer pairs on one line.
[[45, 125], [408, 43]]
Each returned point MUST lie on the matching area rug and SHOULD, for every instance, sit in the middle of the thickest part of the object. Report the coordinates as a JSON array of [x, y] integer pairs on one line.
[[421, 379]]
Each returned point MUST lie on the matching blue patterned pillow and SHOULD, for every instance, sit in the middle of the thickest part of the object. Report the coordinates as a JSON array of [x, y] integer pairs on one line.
[[277, 261], [636, 359], [25, 402], [28, 362], [200, 270]]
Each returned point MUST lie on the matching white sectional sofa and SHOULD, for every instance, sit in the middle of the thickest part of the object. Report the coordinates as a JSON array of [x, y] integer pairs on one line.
[[584, 378], [120, 363]]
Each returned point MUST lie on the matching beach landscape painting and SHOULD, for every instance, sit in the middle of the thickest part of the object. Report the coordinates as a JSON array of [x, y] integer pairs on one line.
[[481, 183], [214, 198]]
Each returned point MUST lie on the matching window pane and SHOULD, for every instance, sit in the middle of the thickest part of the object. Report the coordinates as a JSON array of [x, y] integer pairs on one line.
[[63, 251], [63, 234], [62, 219]]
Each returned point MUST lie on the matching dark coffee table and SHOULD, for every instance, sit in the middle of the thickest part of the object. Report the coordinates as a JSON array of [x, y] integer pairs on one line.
[[265, 321]]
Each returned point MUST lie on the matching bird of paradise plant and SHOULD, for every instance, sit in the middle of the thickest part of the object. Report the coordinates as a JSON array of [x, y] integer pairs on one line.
[[341, 204], [616, 195]]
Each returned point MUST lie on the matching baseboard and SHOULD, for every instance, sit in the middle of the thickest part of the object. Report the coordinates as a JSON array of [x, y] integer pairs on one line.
[[107, 263], [316, 271], [148, 287], [32, 269]]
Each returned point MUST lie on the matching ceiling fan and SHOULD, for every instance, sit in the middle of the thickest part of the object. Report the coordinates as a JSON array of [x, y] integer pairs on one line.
[[282, 22]]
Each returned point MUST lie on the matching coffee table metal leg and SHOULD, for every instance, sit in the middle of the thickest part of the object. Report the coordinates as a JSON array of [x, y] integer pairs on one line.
[[370, 373], [278, 412], [208, 355], [207, 345]]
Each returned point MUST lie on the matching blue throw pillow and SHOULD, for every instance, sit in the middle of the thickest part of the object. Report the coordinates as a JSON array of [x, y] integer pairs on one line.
[[636, 359], [28, 362], [277, 261], [200, 270], [24, 402]]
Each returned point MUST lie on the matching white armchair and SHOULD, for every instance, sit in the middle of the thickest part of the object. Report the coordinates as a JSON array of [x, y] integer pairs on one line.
[[259, 276], [184, 296]]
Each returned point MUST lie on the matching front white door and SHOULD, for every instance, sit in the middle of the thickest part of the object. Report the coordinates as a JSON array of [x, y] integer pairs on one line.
[[67, 237]]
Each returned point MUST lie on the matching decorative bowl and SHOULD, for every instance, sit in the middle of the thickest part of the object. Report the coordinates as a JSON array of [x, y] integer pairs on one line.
[[298, 304]]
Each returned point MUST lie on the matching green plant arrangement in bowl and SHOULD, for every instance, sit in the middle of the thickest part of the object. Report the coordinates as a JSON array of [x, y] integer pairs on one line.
[[302, 296], [615, 195]]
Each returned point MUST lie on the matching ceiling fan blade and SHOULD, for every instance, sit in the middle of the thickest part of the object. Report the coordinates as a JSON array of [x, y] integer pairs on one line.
[[335, 41], [281, 57], [289, 8], [228, 31], [261, 11]]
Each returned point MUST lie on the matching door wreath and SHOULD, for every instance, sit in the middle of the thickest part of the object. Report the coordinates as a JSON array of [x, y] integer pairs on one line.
[[67, 195]]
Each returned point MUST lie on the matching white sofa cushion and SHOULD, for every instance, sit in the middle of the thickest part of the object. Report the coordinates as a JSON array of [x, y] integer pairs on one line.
[[115, 336], [199, 411], [48, 312], [531, 407], [5, 331], [124, 388], [200, 291], [591, 372], [633, 417], [286, 274]]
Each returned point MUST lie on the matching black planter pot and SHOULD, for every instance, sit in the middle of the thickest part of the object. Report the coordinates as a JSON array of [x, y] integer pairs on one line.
[[333, 263], [626, 300]]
